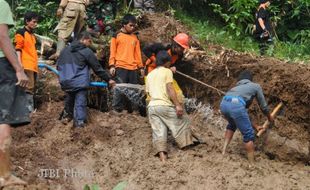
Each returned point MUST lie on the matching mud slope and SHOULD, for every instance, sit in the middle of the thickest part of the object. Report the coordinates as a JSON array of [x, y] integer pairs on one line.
[[114, 149], [219, 67]]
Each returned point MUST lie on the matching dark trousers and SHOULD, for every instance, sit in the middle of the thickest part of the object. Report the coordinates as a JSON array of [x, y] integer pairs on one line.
[[126, 76], [14, 102], [76, 105], [263, 44], [119, 99], [263, 47]]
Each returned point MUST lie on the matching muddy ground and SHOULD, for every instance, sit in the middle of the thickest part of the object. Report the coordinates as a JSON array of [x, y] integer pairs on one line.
[[114, 149]]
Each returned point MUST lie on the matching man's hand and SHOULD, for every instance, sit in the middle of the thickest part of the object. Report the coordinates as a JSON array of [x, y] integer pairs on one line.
[[179, 110], [258, 127], [270, 118], [112, 71], [142, 72], [59, 12], [173, 69], [265, 33], [22, 79], [112, 83]]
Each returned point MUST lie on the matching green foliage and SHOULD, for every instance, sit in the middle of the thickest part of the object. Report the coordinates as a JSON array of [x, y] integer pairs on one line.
[[291, 51], [230, 23], [239, 16], [291, 18], [120, 186], [48, 20], [209, 33], [91, 187]]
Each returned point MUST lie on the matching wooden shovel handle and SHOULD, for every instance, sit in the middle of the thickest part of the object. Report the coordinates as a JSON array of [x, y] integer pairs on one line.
[[273, 114]]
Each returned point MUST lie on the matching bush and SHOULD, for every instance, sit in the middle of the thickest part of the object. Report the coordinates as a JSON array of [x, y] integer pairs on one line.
[[46, 10]]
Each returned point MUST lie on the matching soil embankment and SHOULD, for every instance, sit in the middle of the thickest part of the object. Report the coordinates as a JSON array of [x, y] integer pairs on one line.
[[113, 149]]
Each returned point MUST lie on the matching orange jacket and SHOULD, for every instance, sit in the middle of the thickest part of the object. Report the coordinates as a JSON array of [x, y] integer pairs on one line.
[[25, 42], [151, 62], [125, 52]]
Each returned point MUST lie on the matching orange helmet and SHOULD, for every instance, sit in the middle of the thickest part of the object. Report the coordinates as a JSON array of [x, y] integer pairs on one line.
[[182, 39]]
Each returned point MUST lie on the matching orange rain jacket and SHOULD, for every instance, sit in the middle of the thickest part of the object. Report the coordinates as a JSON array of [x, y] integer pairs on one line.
[[151, 51], [125, 52], [25, 42]]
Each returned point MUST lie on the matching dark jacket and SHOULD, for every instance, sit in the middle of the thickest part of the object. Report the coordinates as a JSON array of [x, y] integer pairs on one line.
[[264, 15], [73, 66], [153, 49]]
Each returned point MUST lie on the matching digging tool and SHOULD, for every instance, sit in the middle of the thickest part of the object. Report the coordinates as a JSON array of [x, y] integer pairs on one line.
[[200, 82], [267, 123]]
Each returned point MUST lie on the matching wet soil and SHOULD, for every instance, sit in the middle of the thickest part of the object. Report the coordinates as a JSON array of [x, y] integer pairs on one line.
[[118, 148]]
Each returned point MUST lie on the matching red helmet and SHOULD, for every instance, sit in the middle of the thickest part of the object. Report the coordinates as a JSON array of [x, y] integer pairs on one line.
[[182, 39]]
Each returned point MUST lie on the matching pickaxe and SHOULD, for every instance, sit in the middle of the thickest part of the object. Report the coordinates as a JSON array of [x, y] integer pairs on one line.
[[273, 114]]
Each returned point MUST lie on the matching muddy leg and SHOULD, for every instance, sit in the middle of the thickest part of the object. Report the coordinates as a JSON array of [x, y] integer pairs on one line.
[[163, 156], [249, 146], [6, 178], [228, 136]]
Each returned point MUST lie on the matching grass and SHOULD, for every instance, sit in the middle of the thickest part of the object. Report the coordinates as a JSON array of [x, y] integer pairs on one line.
[[208, 32]]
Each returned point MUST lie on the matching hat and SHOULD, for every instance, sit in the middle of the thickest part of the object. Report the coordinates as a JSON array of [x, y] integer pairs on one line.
[[182, 39]]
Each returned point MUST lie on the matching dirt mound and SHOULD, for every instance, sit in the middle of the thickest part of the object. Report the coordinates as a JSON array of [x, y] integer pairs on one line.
[[114, 149], [281, 82]]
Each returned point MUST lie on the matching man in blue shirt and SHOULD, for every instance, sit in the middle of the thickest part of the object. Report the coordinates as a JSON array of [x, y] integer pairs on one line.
[[234, 108]]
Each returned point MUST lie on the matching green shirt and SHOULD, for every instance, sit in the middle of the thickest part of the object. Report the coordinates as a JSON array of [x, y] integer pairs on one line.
[[5, 17]]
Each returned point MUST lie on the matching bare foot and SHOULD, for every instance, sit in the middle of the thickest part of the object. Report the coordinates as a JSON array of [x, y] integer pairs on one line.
[[12, 180], [163, 157]]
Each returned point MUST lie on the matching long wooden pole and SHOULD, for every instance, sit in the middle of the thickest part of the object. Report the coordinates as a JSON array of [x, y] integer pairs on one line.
[[273, 114], [200, 82]]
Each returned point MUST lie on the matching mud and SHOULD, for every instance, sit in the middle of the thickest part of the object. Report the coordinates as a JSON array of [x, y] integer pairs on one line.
[[219, 67], [114, 149]]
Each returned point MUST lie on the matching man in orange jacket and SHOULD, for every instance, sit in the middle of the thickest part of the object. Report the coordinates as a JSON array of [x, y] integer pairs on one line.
[[175, 50], [25, 45], [125, 58]]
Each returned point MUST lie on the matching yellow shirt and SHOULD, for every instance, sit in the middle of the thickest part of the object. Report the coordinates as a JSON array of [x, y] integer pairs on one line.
[[155, 85]]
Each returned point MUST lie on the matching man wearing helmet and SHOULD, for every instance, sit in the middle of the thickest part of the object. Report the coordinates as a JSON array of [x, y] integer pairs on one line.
[[175, 50]]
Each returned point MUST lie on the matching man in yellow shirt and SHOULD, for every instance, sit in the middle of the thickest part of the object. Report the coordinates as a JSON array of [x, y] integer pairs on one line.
[[164, 109]]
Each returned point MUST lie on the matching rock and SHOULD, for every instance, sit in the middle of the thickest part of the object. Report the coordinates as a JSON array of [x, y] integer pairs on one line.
[[119, 132], [104, 124], [286, 149]]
